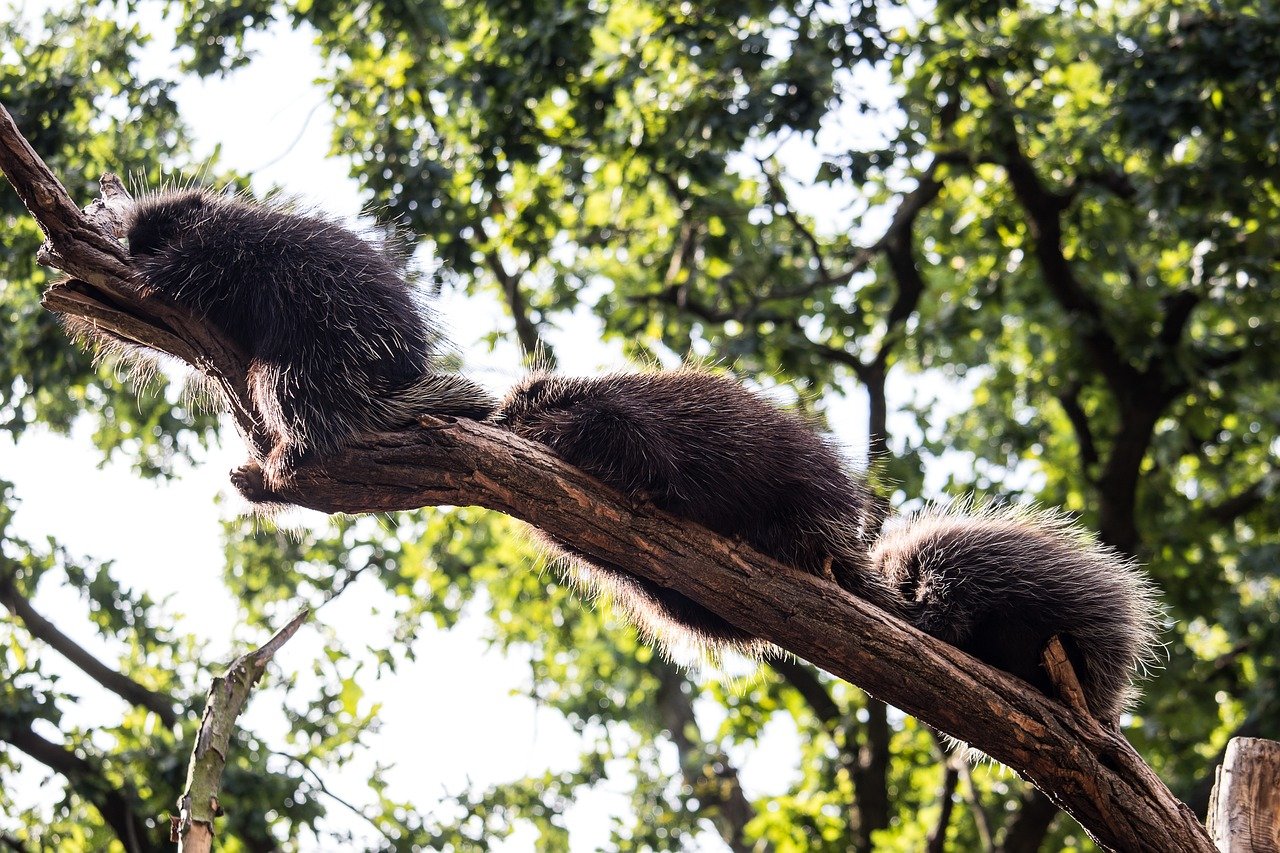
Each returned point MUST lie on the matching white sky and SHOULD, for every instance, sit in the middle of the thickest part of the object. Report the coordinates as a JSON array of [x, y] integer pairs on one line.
[[165, 538]]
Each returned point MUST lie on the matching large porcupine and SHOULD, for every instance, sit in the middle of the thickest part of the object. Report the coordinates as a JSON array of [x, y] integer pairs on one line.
[[1000, 583], [337, 343], [997, 584], [702, 447]]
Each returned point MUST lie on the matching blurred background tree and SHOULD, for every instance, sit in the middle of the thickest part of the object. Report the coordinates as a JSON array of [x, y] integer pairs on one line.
[[1033, 245]]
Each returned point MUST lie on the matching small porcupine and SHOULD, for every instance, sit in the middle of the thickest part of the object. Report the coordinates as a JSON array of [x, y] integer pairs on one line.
[[702, 447], [337, 343], [999, 584]]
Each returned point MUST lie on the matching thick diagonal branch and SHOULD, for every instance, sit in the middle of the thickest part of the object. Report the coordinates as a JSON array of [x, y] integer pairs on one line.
[[103, 289]]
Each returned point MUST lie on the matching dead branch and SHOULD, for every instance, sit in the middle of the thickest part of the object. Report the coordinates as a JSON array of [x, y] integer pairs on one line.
[[1063, 675]]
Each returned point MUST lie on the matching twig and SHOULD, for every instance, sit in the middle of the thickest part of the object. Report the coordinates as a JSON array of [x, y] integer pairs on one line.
[[318, 781], [1063, 675]]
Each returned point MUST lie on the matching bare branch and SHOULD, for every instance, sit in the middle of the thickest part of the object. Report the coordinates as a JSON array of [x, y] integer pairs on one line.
[[1063, 675], [192, 828], [318, 781], [1090, 770], [682, 256]]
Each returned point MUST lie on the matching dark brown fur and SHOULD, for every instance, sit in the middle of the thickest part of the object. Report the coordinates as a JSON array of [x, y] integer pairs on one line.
[[1000, 583], [702, 447], [338, 344]]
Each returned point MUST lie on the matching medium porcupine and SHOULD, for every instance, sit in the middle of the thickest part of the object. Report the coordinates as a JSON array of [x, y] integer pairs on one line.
[[702, 447], [337, 343], [999, 584]]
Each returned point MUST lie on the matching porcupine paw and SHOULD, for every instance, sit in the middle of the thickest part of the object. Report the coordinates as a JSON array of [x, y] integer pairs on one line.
[[249, 480]]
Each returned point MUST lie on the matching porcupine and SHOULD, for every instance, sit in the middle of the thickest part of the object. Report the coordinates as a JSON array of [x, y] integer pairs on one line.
[[337, 343], [702, 447], [997, 584]]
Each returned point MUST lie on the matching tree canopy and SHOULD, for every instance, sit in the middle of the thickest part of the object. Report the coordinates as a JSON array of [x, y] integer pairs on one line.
[[1062, 216]]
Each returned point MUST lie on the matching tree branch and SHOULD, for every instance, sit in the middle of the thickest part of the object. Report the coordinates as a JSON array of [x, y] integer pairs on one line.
[[866, 764], [121, 685], [1178, 308], [1030, 824], [707, 771], [192, 828], [779, 194], [12, 843], [1246, 500], [320, 786], [806, 683], [88, 781], [979, 812], [526, 329], [1089, 770], [1044, 209], [1070, 402], [937, 842]]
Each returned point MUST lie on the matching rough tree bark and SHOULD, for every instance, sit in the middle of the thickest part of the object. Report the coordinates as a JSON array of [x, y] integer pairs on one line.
[[192, 827], [1244, 814], [1090, 771]]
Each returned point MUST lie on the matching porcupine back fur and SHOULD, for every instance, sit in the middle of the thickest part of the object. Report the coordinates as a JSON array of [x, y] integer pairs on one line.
[[703, 448], [999, 583], [337, 340]]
